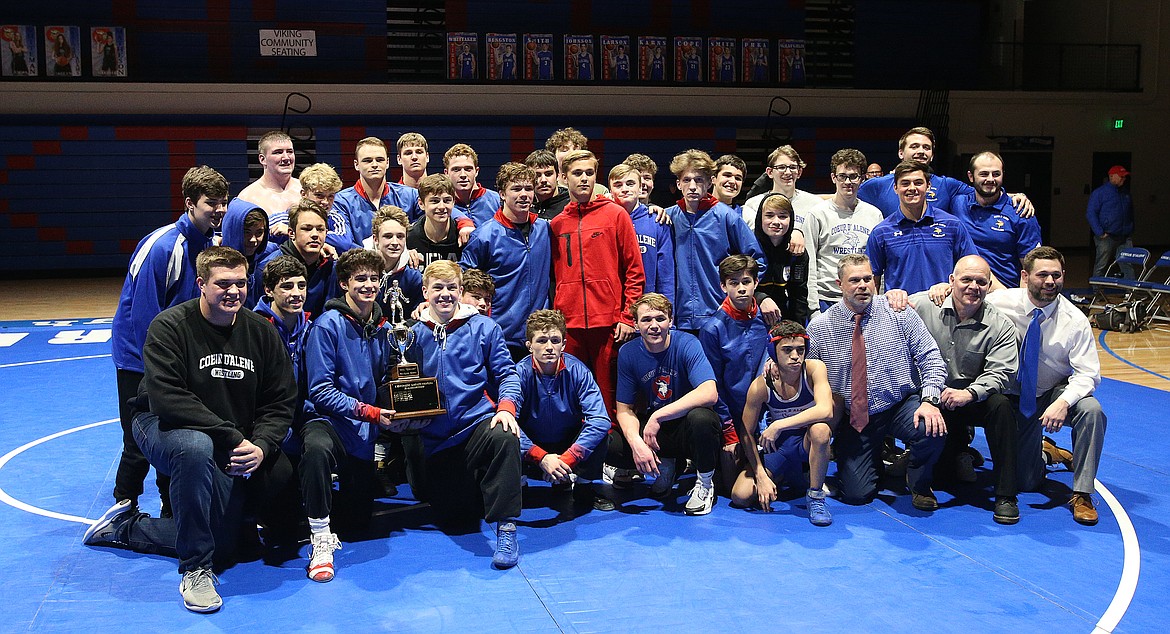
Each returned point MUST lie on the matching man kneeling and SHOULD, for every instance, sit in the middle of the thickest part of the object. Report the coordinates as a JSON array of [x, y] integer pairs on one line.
[[217, 399]]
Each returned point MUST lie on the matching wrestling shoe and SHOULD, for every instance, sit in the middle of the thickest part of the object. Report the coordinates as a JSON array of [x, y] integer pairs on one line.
[[818, 509], [507, 549]]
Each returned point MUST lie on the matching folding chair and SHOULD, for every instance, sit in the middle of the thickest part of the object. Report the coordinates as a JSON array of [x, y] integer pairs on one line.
[[1156, 288], [1108, 285]]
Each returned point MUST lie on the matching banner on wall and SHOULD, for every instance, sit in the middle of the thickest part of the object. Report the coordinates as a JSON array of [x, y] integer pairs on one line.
[[108, 48], [538, 57], [288, 43], [63, 51], [651, 58], [579, 58], [18, 50], [791, 62], [688, 59], [755, 61], [721, 59], [462, 56], [501, 57], [617, 66]]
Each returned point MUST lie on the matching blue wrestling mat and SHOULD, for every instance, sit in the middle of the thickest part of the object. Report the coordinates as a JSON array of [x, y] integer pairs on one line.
[[884, 567]]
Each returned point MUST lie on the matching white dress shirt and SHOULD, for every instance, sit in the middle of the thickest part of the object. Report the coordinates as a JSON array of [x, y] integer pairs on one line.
[[1067, 351]]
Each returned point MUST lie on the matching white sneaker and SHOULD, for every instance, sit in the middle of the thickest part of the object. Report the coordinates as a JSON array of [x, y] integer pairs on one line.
[[702, 499], [965, 468], [619, 478], [321, 556], [665, 480], [198, 590]]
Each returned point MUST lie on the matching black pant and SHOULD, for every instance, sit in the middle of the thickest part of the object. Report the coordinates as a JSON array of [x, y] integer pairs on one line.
[[133, 466], [997, 417], [588, 469], [477, 479], [324, 455], [697, 436]]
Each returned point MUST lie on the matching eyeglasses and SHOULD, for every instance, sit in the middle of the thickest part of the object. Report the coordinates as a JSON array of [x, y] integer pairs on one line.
[[784, 168], [848, 178]]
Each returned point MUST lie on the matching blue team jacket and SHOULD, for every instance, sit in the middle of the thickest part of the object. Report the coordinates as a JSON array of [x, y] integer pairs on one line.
[[560, 411], [518, 265], [233, 236], [161, 275], [701, 241]]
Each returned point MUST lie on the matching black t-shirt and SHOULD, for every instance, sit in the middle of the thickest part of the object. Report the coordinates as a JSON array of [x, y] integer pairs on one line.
[[447, 249]]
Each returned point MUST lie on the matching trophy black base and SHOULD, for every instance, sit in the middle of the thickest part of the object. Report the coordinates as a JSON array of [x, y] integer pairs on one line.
[[414, 398]]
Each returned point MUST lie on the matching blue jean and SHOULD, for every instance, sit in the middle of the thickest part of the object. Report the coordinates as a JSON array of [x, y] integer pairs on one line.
[[1107, 250], [207, 503], [857, 453]]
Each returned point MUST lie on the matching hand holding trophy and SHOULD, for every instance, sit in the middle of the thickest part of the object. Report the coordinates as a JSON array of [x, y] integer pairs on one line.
[[413, 398]]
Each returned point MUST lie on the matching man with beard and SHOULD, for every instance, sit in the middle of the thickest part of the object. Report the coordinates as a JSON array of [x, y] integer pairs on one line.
[[1059, 370], [1000, 234]]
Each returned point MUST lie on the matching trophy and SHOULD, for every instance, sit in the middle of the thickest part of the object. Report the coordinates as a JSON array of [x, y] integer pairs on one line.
[[408, 393]]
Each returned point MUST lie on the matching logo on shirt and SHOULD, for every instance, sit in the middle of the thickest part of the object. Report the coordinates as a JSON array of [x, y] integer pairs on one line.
[[938, 231], [224, 373], [999, 223], [662, 387]]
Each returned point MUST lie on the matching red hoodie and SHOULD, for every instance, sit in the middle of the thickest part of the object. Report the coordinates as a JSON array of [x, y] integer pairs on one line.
[[597, 264]]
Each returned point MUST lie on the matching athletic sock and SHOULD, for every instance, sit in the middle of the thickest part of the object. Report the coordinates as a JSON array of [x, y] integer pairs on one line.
[[705, 478], [319, 526]]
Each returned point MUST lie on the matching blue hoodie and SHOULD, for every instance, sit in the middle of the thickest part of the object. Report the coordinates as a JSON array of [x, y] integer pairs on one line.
[[233, 236], [161, 275], [352, 217], [469, 358], [322, 282], [562, 410], [346, 362], [518, 262]]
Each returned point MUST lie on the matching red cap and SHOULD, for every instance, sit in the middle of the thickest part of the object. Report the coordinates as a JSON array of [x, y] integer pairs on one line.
[[1119, 170]]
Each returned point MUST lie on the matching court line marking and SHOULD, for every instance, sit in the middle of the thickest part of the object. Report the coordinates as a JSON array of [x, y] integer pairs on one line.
[[91, 356], [13, 502], [1130, 568], [1101, 340], [1126, 587]]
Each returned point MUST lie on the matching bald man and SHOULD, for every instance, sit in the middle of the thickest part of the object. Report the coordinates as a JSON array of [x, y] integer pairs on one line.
[[978, 344]]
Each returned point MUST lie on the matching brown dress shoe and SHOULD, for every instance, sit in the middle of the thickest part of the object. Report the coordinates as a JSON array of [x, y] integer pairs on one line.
[[1054, 455], [924, 501], [1083, 510]]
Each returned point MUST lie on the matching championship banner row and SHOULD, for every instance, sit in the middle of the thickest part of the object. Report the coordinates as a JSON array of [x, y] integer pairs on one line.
[[21, 47], [619, 58]]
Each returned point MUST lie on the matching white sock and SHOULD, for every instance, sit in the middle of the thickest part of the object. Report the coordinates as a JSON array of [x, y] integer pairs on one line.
[[319, 526], [705, 478]]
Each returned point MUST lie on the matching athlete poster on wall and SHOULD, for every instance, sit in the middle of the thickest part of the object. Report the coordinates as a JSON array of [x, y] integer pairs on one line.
[[538, 57], [652, 58], [579, 58], [463, 56], [755, 61], [618, 65], [791, 62], [688, 59], [18, 50], [721, 59], [108, 47], [62, 51], [502, 57]]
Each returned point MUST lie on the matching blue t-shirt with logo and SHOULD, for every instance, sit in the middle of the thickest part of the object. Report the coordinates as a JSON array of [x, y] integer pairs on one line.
[[649, 381]]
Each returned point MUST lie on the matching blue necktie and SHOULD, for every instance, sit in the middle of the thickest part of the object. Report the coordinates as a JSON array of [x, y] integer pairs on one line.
[[1030, 364]]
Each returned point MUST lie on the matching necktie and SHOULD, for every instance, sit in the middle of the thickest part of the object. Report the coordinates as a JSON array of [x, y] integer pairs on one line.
[[1030, 364], [858, 391]]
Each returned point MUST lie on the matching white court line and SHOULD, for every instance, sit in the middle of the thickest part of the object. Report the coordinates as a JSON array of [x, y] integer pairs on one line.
[[15, 365], [11, 501], [1130, 568]]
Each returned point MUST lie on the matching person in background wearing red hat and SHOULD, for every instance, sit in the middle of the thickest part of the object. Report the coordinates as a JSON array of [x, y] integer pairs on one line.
[[1110, 217]]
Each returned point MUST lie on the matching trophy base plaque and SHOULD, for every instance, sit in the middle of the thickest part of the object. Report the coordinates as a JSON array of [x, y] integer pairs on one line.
[[411, 395]]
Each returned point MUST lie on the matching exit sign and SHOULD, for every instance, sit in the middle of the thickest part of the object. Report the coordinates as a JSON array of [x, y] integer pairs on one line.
[[1118, 124]]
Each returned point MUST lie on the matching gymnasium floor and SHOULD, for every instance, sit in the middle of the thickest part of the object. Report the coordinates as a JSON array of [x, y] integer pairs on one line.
[[881, 567]]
